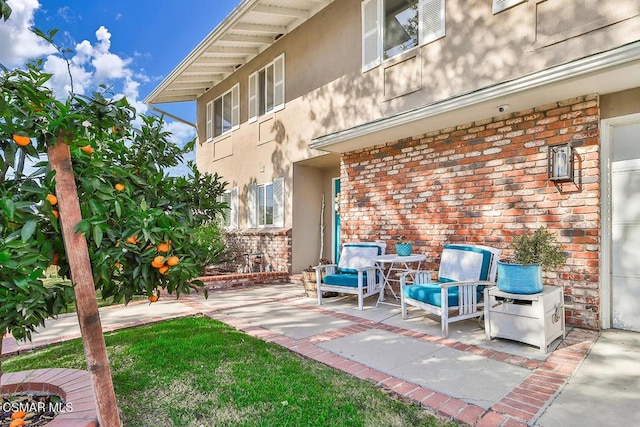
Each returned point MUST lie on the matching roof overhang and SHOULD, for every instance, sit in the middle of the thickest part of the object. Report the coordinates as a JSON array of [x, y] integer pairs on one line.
[[252, 27], [602, 73]]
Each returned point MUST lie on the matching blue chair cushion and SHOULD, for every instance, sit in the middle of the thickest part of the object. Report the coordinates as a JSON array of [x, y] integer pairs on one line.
[[347, 279], [429, 293]]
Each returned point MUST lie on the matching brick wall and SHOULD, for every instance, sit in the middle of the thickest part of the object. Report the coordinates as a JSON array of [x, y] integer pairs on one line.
[[273, 243], [483, 183]]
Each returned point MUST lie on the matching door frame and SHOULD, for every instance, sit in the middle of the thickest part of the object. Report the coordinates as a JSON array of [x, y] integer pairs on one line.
[[335, 221], [606, 151]]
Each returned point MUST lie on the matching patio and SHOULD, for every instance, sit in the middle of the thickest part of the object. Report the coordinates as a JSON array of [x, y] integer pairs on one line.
[[464, 378]]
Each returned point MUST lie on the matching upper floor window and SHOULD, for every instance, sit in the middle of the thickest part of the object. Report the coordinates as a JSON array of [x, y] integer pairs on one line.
[[390, 27], [223, 113], [266, 89]]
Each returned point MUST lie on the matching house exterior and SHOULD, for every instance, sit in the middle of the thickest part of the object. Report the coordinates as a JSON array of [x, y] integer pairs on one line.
[[429, 120]]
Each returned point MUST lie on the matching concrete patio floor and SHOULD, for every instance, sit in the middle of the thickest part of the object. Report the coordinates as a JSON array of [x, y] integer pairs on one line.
[[465, 378]]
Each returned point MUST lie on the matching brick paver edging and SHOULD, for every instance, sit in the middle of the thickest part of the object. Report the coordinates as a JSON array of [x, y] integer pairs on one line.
[[520, 408], [72, 385]]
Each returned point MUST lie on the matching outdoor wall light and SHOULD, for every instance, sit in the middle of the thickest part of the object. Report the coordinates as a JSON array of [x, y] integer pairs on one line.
[[560, 162]]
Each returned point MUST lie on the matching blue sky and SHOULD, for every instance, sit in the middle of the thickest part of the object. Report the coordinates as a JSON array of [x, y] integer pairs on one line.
[[130, 45]]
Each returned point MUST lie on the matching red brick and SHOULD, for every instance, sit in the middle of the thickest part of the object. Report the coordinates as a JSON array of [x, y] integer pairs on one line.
[[495, 164]]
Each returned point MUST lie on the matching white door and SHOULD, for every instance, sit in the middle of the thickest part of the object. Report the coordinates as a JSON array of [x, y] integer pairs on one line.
[[625, 226]]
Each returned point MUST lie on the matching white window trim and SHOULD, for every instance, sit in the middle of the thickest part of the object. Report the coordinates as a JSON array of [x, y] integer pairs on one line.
[[279, 67], [377, 31], [234, 92], [232, 210], [253, 213]]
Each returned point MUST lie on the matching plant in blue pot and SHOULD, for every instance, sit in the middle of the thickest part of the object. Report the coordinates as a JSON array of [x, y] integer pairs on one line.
[[404, 247], [532, 253]]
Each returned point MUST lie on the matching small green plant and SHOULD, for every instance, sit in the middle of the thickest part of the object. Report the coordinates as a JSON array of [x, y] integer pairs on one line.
[[539, 247], [209, 243]]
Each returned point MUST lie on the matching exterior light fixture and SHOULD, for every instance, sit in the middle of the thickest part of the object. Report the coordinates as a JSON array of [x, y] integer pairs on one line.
[[560, 162]]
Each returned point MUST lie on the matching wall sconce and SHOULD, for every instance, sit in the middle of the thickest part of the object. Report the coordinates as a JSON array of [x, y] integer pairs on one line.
[[560, 162]]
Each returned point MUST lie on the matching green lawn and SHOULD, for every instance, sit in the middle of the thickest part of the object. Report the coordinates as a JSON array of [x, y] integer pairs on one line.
[[200, 372]]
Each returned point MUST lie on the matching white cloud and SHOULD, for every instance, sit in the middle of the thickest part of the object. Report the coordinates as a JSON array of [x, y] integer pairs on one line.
[[90, 64], [18, 42], [181, 132]]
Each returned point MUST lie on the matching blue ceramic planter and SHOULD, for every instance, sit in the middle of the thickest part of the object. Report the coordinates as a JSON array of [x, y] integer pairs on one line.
[[519, 278], [403, 249]]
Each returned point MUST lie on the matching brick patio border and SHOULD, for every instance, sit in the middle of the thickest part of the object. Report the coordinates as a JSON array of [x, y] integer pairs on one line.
[[72, 385], [520, 408]]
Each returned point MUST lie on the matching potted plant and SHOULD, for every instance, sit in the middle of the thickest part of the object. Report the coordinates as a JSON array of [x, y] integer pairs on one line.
[[532, 252], [404, 247]]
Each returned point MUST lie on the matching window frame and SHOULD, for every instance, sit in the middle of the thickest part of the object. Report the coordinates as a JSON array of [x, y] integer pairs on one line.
[[267, 89], [257, 217], [229, 216], [232, 96], [431, 27], [263, 191]]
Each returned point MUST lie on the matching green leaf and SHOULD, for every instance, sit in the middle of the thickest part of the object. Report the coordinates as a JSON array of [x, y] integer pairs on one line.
[[28, 229], [8, 207], [97, 235], [118, 209], [83, 227]]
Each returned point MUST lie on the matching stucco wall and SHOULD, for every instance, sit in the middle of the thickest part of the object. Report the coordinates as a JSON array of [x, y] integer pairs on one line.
[[326, 90], [483, 183]]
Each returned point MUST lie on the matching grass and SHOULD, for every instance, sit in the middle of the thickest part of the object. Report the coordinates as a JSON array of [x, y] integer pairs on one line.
[[200, 372]]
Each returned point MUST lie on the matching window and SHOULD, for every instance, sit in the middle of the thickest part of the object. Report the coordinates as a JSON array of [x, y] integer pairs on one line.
[[390, 27], [230, 213], [266, 89], [266, 204], [223, 113]]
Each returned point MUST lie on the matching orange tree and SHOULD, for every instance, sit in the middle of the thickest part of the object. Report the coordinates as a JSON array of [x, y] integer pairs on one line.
[[138, 221]]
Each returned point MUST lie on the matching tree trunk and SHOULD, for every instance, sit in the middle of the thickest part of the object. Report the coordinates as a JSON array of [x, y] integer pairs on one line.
[[1, 339], [87, 306]]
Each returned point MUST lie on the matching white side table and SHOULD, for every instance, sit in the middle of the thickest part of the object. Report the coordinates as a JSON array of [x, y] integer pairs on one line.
[[391, 265], [536, 319]]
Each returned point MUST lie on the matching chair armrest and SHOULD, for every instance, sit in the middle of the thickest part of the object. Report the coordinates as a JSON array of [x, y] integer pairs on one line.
[[371, 267], [412, 272], [324, 266], [466, 283]]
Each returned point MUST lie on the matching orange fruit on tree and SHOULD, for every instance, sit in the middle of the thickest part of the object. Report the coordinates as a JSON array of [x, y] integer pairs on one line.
[[173, 261], [18, 414], [119, 187], [158, 262], [164, 270], [87, 149], [55, 213], [53, 200], [163, 247], [133, 239], [118, 265], [153, 298], [18, 422], [21, 140]]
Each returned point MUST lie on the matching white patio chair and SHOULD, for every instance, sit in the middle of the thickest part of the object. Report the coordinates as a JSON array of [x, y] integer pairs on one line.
[[356, 272], [465, 270]]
